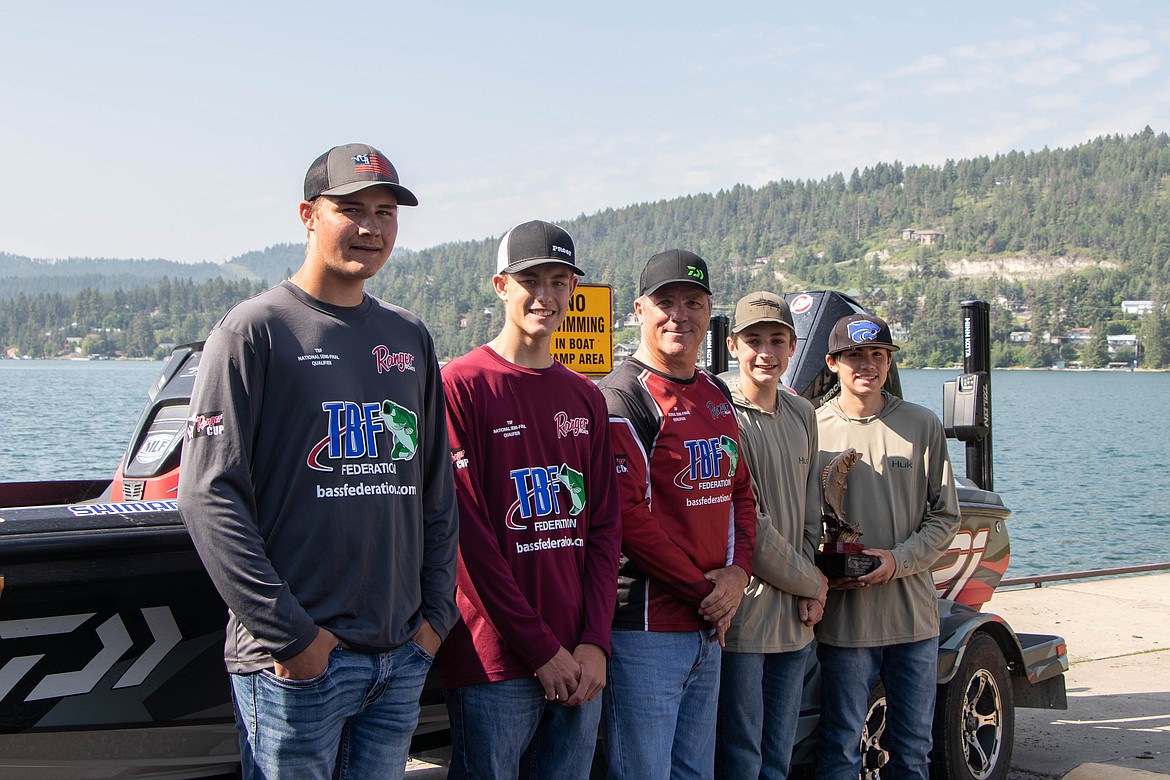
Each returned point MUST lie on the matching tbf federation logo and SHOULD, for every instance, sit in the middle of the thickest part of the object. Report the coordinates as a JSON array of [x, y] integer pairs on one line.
[[707, 458], [354, 428], [539, 490]]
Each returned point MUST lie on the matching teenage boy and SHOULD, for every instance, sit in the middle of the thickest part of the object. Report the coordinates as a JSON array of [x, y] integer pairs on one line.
[[540, 532], [902, 495], [688, 531], [316, 489], [771, 635]]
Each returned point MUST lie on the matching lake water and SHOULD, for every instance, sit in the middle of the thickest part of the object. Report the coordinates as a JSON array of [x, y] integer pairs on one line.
[[1082, 458]]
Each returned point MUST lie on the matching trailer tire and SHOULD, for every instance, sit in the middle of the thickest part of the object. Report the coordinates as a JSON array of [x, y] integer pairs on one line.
[[874, 747], [974, 718]]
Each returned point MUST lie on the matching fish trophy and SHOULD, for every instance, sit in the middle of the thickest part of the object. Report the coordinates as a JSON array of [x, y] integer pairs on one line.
[[841, 555]]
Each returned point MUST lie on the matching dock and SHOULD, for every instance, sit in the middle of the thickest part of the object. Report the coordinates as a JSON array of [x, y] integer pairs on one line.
[[1117, 724]]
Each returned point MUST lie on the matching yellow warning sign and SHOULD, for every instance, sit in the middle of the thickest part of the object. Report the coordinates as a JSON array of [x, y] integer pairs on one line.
[[584, 342]]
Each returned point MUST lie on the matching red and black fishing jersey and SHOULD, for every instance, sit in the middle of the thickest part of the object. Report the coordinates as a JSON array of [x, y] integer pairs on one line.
[[686, 497]]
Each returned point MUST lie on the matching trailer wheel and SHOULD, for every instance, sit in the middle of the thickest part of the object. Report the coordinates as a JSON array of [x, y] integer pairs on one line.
[[974, 719], [874, 752]]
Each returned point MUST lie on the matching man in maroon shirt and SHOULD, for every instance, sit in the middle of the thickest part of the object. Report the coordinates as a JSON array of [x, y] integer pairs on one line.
[[539, 532], [688, 532]]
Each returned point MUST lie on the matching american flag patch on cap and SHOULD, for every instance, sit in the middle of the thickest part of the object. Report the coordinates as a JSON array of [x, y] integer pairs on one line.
[[371, 163]]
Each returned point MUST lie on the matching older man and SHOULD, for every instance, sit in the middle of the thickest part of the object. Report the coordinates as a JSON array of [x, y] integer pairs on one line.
[[688, 532]]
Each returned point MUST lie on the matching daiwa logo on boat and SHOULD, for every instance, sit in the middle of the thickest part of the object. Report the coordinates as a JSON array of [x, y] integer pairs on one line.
[[353, 432], [705, 469], [538, 492]]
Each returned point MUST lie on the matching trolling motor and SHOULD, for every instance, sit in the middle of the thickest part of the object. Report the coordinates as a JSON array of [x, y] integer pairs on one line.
[[715, 345], [967, 398]]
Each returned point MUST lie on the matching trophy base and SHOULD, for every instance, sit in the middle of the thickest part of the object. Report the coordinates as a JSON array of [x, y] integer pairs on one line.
[[845, 559]]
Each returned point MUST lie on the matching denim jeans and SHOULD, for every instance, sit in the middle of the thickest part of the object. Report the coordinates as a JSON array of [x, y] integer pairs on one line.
[[355, 719], [507, 729], [660, 702], [759, 709], [909, 673]]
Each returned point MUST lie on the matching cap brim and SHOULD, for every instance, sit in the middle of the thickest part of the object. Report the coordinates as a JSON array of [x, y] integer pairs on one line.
[[404, 196], [665, 282], [890, 347], [532, 262], [749, 323]]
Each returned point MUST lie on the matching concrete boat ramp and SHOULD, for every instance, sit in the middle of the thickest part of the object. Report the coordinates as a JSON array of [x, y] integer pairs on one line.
[[1117, 724]]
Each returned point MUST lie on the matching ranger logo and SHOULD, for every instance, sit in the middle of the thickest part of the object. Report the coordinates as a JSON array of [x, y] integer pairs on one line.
[[205, 424], [387, 360], [575, 426]]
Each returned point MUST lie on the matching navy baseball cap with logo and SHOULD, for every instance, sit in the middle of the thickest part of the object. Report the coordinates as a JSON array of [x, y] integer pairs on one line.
[[674, 265], [536, 242], [860, 330], [346, 169]]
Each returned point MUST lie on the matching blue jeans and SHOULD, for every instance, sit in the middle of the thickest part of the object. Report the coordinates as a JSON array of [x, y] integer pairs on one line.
[[759, 708], [660, 701], [355, 719], [507, 729], [909, 673]]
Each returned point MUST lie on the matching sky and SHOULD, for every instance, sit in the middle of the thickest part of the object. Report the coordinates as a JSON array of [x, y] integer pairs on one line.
[[184, 130]]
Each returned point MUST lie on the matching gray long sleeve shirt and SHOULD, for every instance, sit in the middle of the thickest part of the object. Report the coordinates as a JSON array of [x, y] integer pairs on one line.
[[780, 448], [902, 495], [316, 480]]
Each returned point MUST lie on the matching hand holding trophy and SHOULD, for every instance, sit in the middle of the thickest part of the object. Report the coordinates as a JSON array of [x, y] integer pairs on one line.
[[841, 555]]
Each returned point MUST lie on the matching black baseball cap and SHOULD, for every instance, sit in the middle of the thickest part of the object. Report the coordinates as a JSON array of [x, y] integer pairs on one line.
[[761, 307], [860, 330], [536, 242], [674, 265], [346, 169]]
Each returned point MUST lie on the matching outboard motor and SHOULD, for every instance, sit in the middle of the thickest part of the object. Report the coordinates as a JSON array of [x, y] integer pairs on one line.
[[150, 468]]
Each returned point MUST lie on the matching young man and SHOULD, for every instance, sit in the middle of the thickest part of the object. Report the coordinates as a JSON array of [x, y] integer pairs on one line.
[[771, 635], [688, 530], [316, 488], [539, 532], [902, 495]]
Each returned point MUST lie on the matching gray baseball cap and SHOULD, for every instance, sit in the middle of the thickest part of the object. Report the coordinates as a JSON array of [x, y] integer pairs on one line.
[[346, 169]]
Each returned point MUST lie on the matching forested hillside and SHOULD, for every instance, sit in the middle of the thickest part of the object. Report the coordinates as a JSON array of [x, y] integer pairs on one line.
[[1055, 239]]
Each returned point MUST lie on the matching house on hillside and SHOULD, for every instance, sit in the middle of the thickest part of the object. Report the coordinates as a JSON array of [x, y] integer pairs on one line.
[[1138, 308], [1122, 341], [926, 237]]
